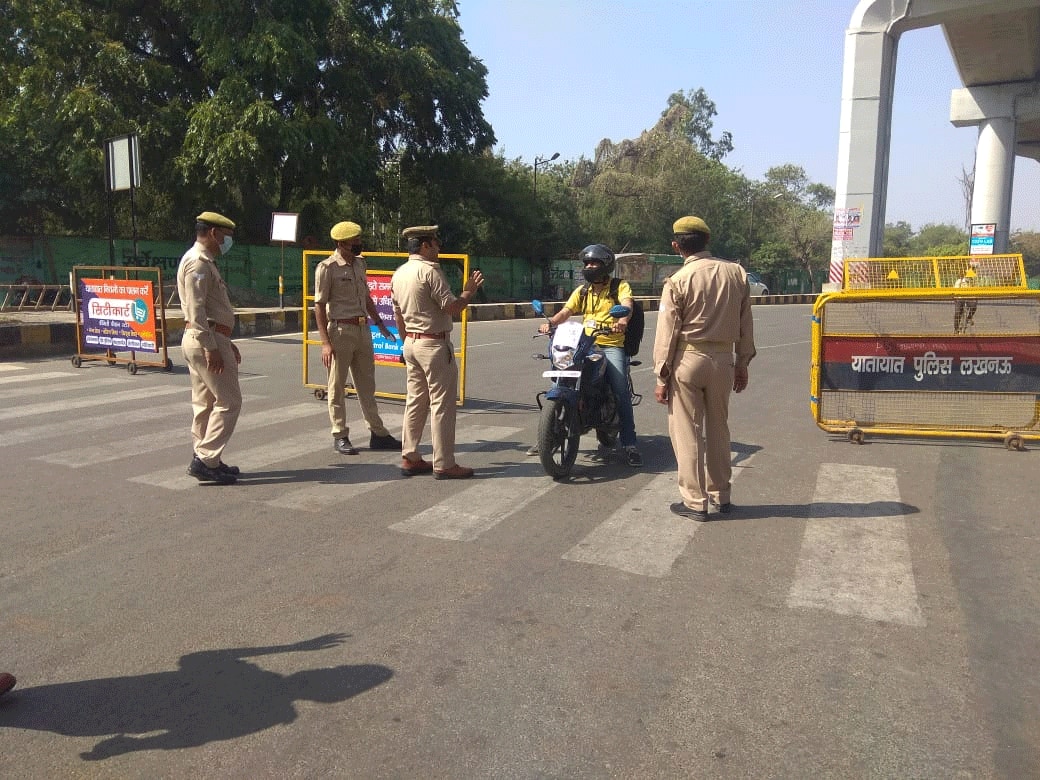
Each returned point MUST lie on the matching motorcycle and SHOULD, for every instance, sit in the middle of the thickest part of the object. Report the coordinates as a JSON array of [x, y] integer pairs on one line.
[[580, 398]]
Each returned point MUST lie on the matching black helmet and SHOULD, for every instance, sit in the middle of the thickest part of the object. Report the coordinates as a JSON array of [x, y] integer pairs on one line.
[[600, 253]]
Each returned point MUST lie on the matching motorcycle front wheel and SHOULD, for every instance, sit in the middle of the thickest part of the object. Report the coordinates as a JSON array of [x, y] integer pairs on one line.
[[559, 434]]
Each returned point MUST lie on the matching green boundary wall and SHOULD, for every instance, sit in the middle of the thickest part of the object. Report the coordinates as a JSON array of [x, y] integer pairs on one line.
[[252, 272]]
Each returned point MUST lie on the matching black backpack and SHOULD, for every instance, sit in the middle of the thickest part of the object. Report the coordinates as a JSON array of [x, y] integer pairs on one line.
[[634, 331]]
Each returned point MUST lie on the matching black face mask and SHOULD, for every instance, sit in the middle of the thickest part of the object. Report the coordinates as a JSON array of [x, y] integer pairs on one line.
[[594, 275]]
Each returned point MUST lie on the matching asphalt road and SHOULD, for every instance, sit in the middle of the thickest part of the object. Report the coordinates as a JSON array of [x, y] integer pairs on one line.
[[868, 611]]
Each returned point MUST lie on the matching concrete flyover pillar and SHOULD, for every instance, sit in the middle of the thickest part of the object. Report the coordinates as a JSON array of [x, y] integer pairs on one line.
[[871, 43], [994, 177], [863, 144], [996, 110]]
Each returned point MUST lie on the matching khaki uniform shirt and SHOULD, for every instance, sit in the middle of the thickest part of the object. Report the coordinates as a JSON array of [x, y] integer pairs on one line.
[[203, 294], [420, 294], [707, 300], [343, 286]]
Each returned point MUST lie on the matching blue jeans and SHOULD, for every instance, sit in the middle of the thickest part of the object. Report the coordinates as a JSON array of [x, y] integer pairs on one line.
[[617, 376]]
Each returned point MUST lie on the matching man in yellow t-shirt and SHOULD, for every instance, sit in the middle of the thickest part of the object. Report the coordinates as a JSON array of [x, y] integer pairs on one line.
[[594, 304]]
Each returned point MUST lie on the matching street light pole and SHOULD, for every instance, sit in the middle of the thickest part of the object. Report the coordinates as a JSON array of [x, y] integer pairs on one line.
[[541, 161]]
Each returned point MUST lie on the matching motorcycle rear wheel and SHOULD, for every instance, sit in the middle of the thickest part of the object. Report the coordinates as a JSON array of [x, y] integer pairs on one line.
[[559, 434]]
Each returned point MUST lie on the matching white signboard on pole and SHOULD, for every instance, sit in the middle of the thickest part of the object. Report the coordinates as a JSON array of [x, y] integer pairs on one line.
[[283, 227], [982, 239], [122, 163]]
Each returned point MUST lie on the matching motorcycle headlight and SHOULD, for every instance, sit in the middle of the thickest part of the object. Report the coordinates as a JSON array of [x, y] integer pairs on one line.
[[563, 358]]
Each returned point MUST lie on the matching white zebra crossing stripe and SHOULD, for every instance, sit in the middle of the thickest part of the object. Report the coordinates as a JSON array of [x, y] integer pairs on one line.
[[42, 377], [855, 558], [176, 437], [643, 536], [372, 476], [251, 460], [49, 407], [96, 423], [13, 367], [26, 388], [465, 516]]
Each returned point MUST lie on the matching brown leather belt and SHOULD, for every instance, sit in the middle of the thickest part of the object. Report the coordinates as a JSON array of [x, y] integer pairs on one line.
[[440, 335], [223, 330], [352, 321]]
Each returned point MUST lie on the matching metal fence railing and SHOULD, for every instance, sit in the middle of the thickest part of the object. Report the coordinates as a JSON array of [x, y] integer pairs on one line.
[[35, 297]]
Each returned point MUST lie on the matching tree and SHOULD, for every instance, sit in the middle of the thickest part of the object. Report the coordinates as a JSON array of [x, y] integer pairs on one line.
[[690, 115], [248, 107], [939, 241], [1027, 244], [896, 240], [801, 222], [629, 194]]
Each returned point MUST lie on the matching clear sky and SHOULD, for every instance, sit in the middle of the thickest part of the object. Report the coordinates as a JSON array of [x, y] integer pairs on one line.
[[564, 74]]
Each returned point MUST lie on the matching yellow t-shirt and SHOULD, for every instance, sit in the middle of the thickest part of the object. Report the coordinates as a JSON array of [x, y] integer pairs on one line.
[[598, 303]]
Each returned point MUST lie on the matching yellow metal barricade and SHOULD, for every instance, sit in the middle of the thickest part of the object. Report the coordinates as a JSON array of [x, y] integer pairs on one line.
[[381, 266], [119, 309], [945, 356]]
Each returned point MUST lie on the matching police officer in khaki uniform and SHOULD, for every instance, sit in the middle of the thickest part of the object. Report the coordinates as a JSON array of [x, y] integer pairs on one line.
[[342, 306], [211, 355], [705, 314], [423, 307]]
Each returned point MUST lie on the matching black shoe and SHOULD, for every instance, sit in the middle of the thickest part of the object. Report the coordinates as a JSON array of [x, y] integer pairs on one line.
[[204, 473], [679, 508], [723, 508], [226, 469], [632, 457], [387, 442], [343, 446]]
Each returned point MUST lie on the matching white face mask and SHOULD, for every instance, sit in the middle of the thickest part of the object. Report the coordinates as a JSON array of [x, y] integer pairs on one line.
[[225, 245]]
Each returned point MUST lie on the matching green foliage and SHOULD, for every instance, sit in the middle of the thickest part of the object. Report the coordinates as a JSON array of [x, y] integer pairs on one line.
[[932, 240], [690, 115], [631, 192], [368, 110], [896, 240], [245, 107], [1027, 244]]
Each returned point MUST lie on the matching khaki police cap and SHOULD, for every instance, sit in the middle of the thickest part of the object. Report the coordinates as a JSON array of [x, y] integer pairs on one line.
[[215, 219], [420, 231], [343, 231], [690, 225]]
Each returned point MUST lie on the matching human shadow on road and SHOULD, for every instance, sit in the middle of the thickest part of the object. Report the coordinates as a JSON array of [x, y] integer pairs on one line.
[[214, 695], [818, 510]]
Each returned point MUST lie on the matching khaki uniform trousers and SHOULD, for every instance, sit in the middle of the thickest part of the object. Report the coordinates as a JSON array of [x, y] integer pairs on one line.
[[698, 424], [433, 386], [352, 349], [216, 399]]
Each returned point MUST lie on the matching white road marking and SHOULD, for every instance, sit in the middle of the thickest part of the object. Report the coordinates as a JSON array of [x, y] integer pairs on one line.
[[25, 388], [855, 557], [252, 460], [97, 423], [643, 536], [465, 516], [372, 476], [45, 375], [49, 407], [176, 437]]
